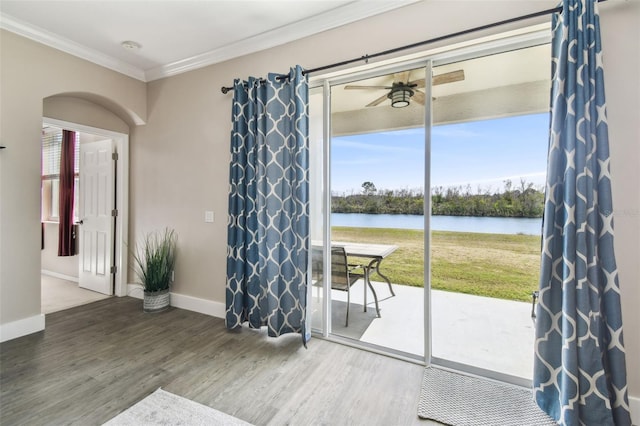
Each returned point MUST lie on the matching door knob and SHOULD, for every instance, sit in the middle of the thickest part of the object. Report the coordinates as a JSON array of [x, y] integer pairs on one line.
[[80, 222]]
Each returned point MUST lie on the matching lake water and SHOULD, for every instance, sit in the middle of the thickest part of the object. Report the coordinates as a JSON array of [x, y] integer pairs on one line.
[[489, 225]]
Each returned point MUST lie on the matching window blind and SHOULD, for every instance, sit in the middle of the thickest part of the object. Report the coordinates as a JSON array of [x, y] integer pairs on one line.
[[51, 151]]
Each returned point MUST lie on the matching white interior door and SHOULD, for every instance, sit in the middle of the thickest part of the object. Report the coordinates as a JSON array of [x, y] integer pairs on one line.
[[97, 173]]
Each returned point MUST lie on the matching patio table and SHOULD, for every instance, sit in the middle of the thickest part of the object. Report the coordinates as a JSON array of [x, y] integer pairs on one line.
[[376, 253]]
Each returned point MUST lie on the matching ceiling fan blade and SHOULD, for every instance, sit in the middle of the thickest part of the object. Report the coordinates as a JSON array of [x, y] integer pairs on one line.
[[350, 87], [418, 97], [448, 77], [401, 77], [378, 101]]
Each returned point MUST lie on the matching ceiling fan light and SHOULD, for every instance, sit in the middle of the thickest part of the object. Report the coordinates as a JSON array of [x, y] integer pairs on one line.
[[400, 98]]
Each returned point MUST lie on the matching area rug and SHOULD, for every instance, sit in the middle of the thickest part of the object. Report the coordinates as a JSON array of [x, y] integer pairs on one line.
[[460, 400], [164, 408]]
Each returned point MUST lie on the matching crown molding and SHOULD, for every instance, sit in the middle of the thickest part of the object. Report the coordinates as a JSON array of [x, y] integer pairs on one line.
[[352, 12], [47, 38]]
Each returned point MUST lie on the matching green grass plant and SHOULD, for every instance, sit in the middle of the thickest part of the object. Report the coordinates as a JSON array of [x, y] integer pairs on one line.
[[493, 265], [155, 259]]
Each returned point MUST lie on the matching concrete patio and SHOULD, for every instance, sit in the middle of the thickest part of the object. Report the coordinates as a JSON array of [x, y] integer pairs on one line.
[[483, 332]]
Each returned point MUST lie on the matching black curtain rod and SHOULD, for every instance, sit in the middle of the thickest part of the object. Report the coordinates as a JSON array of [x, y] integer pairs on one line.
[[430, 41]]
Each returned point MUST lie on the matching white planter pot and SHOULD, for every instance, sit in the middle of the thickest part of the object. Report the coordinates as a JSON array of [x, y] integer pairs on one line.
[[156, 301]]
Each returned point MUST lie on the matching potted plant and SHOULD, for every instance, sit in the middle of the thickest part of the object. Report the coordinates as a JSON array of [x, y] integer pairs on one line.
[[154, 262]]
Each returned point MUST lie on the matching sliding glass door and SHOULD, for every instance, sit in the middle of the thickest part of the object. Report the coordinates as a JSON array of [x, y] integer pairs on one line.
[[368, 254], [427, 207]]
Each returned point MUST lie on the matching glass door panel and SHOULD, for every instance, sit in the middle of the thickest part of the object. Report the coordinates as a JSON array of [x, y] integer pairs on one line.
[[377, 157], [488, 163]]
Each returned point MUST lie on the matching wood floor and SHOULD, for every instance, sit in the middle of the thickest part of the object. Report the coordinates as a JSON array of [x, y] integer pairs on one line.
[[94, 361]]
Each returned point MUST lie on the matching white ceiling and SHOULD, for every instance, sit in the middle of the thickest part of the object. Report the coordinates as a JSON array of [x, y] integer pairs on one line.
[[177, 36]]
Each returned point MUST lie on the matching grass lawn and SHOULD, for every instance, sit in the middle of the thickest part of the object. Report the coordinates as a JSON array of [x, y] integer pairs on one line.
[[493, 265]]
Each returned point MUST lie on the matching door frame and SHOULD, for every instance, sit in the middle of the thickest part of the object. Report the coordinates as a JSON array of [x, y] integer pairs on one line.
[[527, 36], [121, 145]]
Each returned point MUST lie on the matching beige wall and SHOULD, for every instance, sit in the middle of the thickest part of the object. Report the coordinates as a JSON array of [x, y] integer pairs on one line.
[[29, 73], [179, 160], [50, 261]]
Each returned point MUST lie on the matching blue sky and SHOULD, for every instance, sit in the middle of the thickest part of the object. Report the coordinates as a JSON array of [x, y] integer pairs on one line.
[[481, 153]]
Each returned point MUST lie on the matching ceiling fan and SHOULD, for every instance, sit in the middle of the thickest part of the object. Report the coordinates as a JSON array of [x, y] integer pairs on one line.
[[402, 90]]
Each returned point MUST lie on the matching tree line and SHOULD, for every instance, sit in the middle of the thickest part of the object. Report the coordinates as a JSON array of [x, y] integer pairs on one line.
[[524, 200]]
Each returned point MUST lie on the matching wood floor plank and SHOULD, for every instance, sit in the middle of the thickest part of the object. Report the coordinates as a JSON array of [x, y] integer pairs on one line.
[[94, 361]]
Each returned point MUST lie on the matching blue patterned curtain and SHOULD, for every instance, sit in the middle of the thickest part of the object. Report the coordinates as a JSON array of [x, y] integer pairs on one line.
[[268, 231], [579, 368]]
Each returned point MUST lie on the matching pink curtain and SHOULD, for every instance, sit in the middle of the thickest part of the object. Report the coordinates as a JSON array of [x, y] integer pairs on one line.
[[66, 234]]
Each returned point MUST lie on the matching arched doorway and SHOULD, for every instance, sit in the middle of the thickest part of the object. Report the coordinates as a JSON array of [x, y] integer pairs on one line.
[[91, 122]]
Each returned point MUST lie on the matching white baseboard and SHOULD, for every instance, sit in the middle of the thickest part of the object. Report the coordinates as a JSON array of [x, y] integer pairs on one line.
[[61, 276], [190, 303], [634, 408], [15, 329], [134, 290]]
